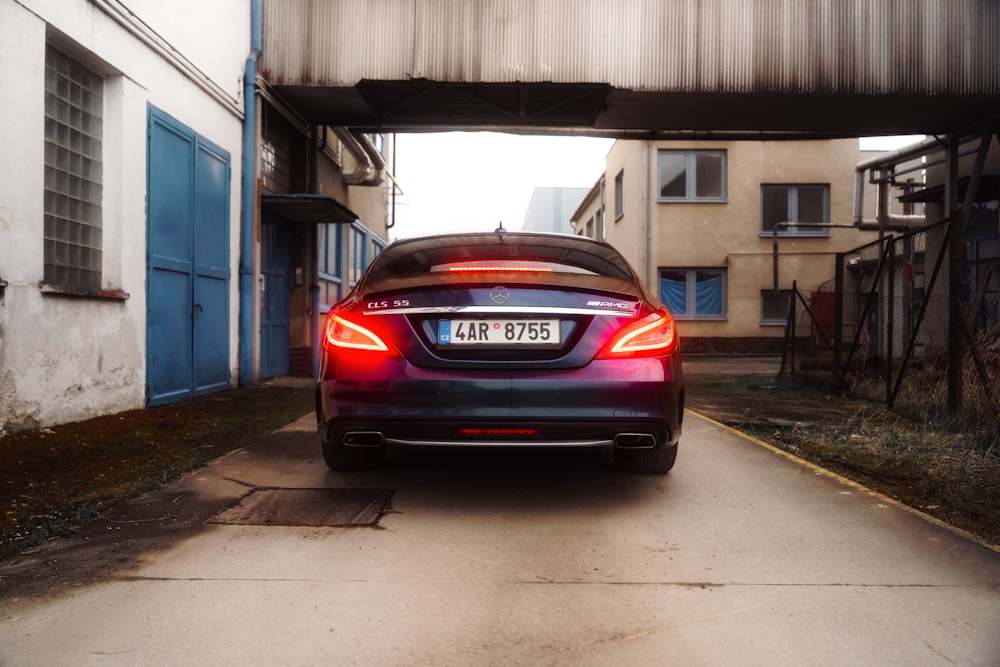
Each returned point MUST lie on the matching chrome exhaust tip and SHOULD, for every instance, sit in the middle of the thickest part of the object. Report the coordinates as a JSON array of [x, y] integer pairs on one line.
[[635, 441], [363, 439]]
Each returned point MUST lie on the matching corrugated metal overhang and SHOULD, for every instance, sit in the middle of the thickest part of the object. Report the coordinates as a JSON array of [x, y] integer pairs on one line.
[[804, 68], [306, 208]]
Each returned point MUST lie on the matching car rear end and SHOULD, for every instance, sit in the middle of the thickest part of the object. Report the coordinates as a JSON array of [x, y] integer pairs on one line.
[[500, 340]]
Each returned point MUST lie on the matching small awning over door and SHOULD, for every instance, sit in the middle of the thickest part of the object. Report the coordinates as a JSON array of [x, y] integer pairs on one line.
[[307, 208]]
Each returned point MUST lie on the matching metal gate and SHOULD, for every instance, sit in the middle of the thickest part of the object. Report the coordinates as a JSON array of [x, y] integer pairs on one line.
[[187, 317]]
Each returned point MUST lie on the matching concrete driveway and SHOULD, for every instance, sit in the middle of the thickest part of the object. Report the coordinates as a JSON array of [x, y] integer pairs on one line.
[[740, 556]]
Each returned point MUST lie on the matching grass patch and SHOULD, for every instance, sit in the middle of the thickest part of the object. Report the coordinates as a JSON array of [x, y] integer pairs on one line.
[[57, 478]]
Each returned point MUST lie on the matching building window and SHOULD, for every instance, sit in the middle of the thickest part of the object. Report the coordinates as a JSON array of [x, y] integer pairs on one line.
[[378, 141], [74, 105], [694, 294], [691, 176], [357, 257], [276, 155], [774, 305], [590, 228], [363, 246], [620, 194], [795, 203], [331, 262]]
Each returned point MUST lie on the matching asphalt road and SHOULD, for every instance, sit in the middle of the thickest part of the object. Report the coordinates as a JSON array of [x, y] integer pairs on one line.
[[740, 556]]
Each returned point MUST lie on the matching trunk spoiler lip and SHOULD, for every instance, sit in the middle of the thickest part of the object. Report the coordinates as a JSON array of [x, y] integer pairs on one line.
[[631, 311]]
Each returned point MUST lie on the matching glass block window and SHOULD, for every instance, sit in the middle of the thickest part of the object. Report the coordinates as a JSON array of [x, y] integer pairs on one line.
[[276, 156], [74, 104]]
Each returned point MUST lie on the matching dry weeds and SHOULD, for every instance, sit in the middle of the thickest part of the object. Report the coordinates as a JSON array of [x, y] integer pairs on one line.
[[948, 466]]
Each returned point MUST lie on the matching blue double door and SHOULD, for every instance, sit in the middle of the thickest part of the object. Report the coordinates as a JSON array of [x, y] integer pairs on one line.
[[274, 273], [187, 320]]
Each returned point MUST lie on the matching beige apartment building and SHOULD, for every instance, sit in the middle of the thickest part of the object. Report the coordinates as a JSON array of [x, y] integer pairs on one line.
[[697, 220]]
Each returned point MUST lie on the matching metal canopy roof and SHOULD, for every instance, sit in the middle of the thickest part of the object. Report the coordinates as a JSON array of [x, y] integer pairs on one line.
[[598, 109], [307, 209]]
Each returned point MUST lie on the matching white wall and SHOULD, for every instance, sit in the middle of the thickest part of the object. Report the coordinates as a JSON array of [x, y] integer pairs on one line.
[[68, 358], [550, 209]]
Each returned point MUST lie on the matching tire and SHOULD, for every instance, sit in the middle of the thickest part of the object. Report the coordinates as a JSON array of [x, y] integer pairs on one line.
[[341, 457], [658, 460]]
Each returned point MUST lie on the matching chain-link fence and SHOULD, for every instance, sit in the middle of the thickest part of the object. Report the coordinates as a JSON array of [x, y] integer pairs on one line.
[[880, 327]]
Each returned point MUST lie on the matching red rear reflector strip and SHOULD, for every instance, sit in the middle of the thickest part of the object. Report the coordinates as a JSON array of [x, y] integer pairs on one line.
[[475, 269], [498, 431]]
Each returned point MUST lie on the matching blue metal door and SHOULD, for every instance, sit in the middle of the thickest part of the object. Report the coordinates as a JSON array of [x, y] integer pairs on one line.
[[187, 325], [274, 256]]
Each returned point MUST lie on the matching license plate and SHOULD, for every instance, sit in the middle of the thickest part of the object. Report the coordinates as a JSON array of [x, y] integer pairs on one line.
[[498, 332]]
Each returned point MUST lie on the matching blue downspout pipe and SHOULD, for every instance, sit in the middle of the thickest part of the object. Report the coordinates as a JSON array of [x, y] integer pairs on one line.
[[249, 192]]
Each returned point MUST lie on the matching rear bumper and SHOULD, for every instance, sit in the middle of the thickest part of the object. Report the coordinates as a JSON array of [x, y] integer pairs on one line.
[[496, 433], [589, 406]]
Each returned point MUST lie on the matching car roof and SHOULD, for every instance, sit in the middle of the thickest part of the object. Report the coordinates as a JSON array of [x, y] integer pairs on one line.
[[418, 255]]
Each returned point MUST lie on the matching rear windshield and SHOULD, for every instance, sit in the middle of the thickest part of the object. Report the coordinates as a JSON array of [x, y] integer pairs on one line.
[[528, 253]]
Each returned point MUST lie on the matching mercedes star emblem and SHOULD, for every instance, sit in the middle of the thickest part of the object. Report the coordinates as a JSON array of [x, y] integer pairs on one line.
[[500, 295]]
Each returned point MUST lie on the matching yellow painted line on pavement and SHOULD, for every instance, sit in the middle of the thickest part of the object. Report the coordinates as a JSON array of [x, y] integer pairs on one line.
[[848, 482]]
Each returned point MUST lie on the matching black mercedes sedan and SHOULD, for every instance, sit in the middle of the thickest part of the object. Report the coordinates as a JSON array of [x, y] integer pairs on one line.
[[500, 339]]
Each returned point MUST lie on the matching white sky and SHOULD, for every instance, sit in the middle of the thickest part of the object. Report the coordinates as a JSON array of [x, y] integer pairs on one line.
[[471, 181]]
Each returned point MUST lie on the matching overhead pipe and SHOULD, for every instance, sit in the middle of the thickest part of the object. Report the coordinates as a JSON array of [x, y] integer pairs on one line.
[[884, 219], [885, 165], [245, 342], [371, 163]]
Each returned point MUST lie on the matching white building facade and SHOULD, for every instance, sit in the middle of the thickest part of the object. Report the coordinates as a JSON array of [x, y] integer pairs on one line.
[[122, 133]]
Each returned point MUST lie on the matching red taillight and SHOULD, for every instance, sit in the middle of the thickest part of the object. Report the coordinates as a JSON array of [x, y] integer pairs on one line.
[[650, 336], [343, 333]]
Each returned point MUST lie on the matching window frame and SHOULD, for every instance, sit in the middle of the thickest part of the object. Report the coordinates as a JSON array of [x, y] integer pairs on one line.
[[691, 176], [357, 254], [331, 283], [792, 201], [619, 195], [360, 239], [775, 322], [691, 294]]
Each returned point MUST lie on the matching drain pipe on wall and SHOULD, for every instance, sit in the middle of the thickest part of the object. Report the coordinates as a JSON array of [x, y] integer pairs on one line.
[[249, 194], [651, 190]]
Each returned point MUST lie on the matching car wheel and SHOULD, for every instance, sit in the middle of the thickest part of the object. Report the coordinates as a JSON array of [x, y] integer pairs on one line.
[[658, 460], [341, 457]]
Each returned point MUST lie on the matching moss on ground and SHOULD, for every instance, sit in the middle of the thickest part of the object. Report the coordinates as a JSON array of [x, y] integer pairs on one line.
[[54, 479]]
